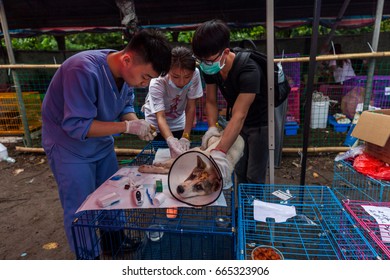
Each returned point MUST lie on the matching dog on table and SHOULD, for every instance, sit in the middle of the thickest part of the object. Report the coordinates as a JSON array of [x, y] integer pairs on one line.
[[203, 179]]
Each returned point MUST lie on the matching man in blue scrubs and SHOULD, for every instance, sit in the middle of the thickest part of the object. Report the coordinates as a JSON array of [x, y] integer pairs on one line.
[[87, 94]]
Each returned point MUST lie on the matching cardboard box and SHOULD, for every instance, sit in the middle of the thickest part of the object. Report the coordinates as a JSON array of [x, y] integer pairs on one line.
[[374, 128]]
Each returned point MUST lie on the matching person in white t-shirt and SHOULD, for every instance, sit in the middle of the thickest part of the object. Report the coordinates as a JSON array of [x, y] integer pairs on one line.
[[171, 101], [342, 69]]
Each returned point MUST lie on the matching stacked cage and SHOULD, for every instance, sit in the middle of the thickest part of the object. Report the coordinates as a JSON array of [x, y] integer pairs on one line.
[[154, 233], [374, 220], [321, 228], [350, 184], [11, 112]]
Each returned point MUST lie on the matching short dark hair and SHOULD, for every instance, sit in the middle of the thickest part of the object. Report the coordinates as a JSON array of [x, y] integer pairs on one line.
[[152, 47], [210, 38], [182, 57]]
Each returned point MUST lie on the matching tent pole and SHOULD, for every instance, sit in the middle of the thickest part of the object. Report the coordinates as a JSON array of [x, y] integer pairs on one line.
[[309, 87], [371, 66], [271, 90], [325, 46], [11, 57]]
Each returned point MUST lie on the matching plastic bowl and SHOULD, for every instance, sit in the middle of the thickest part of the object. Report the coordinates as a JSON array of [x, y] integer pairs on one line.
[[154, 234], [265, 252]]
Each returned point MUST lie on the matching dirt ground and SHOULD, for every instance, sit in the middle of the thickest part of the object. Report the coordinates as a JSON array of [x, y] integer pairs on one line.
[[31, 225]]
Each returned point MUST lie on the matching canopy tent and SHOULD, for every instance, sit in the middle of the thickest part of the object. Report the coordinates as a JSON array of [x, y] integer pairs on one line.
[[29, 18]]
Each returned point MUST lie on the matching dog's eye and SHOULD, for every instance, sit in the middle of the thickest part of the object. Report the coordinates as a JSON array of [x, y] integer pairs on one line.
[[198, 187], [191, 177]]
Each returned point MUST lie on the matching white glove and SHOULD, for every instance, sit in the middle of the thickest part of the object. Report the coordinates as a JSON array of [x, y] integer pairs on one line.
[[212, 131], [224, 166], [185, 144], [174, 147], [280, 73], [142, 128]]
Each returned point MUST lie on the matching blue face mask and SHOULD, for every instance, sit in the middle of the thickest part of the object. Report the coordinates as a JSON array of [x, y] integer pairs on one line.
[[212, 69]]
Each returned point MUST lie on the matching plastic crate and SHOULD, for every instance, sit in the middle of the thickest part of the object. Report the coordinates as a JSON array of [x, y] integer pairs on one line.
[[338, 127], [291, 128], [378, 234], [196, 233], [293, 106], [350, 184], [10, 115], [321, 229]]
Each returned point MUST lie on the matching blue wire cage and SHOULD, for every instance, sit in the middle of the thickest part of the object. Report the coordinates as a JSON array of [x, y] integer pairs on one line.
[[320, 230], [196, 233], [350, 184]]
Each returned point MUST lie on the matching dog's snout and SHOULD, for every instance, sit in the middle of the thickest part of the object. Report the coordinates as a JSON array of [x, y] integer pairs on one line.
[[180, 189]]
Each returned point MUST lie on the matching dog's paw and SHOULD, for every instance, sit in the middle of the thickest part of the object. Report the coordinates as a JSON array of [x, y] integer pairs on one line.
[[165, 164]]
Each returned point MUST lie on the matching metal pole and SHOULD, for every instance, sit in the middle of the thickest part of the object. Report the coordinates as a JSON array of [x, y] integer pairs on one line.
[[271, 90], [325, 46], [371, 66], [19, 95], [309, 88]]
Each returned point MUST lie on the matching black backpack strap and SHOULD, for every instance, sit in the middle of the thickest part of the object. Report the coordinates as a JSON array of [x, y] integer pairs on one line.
[[242, 57]]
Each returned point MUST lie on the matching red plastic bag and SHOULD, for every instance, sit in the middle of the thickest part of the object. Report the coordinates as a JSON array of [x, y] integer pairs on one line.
[[371, 166]]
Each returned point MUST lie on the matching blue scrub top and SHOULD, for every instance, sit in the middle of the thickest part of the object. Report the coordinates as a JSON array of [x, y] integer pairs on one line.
[[83, 89]]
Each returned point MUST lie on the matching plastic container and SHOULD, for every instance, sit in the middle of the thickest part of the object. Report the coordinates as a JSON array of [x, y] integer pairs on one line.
[[291, 128], [154, 233], [265, 252], [4, 154], [319, 114]]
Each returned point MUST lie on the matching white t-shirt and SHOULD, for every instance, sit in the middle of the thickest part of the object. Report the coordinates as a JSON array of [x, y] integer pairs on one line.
[[341, 74], [162, 96]]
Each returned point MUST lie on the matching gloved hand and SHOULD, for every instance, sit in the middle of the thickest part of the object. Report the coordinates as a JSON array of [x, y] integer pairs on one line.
[[185, 143], [224, 166], [174, 147], [212, 131], [142, 128]]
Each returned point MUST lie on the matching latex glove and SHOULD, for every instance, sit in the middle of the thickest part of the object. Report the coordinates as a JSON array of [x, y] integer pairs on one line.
[[224, 166], [212, 131], [174, 147], [185, 143], [142, 128]]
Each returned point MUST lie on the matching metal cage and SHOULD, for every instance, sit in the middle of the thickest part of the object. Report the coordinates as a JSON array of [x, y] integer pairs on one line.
[[320, 230]]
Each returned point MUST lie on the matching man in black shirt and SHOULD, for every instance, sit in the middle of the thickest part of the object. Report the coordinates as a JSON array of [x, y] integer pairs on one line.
[[248, 102]]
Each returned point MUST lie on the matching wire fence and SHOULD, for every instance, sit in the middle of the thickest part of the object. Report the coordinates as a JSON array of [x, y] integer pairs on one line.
[[327, 129]]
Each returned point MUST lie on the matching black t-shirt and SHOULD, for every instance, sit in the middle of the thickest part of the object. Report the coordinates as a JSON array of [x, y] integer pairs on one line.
[[250, 80]]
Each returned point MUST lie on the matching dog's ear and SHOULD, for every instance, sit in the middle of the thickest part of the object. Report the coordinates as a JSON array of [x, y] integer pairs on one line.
[[216, 185], [200, 163]]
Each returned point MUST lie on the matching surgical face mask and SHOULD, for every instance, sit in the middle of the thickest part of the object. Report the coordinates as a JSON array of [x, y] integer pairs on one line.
[[211, 69], [172, 84]]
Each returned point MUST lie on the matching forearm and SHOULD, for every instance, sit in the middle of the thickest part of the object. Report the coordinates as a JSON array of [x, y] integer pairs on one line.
[[231, 132], [129, 117], [190, 116], [211, 105], [163, 126], [239, 113], [99, 128]]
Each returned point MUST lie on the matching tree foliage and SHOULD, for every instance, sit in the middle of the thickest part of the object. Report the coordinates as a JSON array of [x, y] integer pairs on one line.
[[115, 40]]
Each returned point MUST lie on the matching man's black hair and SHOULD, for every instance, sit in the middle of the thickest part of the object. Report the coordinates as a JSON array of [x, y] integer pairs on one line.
[[210, 38], [152, 46]]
